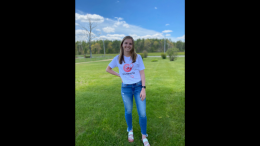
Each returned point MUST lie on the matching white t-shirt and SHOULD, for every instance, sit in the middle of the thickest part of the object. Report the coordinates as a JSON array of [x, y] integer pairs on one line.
[[128, 71]]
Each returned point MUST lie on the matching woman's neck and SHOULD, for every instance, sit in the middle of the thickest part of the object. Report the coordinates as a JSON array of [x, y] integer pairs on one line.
[[127, 54]]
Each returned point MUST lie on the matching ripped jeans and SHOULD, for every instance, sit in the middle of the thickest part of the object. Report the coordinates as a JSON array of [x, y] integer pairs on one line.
[[127, 92]]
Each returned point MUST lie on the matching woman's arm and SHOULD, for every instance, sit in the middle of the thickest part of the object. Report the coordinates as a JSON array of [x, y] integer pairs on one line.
[[142, 94], [109, 70]]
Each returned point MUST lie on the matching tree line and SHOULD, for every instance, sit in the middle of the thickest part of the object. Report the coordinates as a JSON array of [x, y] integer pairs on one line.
[[113, 47]]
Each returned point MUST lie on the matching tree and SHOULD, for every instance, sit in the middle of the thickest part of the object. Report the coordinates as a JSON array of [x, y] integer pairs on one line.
[[84, 48], [147, 44], [76, 49], [169, 44], [80, 48], [109, 48], [161, 42], [116, 46], [172, 53], [179, 45], [156, 46], [142, 45], [137, 45], [89, 31], [96, 48]]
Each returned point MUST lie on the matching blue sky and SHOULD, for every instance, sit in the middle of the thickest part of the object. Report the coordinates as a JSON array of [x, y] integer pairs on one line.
[[137, 18]]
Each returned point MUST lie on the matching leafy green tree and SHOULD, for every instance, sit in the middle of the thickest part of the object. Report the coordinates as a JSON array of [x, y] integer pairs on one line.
[[76, 49], [161, 42], [172, 53], [145, 53], [109, 49], [142, 45], [147, 44], [96, 48], [179, 45], [169, 44], [116, 46], [138, 45], [155, 46], [150, 45]]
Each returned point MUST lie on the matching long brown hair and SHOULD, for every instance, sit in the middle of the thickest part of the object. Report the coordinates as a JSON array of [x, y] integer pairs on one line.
[[133, 53]]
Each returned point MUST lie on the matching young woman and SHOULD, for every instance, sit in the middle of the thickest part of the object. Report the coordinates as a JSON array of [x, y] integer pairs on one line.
[[131, 72]]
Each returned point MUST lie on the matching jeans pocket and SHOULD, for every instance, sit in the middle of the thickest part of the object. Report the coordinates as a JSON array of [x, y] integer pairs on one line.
[[139, 83], [123, 85]]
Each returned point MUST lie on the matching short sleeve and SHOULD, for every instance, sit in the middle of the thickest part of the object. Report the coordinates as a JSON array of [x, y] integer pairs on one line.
[[113, 63], [140, 62]]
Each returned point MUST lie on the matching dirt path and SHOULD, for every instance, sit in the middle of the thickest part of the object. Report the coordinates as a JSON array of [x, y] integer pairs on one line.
[[93, 61]]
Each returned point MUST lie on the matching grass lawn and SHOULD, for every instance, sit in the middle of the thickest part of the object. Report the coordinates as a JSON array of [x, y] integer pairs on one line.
[[159, 54], [99, 113], [97, 57]]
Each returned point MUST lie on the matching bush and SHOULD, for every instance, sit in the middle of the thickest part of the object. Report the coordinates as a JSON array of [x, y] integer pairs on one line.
[[145, 54], [87, 56], [163, 56], [172, 53], [142, 55], [154, 60]]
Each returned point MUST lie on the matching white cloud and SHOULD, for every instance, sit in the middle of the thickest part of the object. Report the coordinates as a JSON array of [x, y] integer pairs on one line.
[[156, 35], [118, 23], [168, 35], [166, 31], [76, 24], [92, 17], [80, 35], [117, 29], [116, 35], [126, 25], [80, 32], [167, 24], [181, 38], [112, 37], [155, 7], [175, 39], [135, 36], [119, 18], [108, 29]]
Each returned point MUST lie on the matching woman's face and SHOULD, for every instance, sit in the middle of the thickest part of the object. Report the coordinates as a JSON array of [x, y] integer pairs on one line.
[[127, 45]]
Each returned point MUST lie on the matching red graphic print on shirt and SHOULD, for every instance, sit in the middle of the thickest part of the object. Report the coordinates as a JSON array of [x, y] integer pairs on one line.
[[128, 67]]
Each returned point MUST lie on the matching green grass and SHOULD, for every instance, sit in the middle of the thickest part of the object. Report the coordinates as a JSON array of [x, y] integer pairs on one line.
[[99, 113], [97, 57], [159, 54], [151, 54]]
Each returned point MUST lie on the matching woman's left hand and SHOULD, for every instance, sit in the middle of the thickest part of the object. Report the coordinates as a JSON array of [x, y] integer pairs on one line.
[[142, 94]]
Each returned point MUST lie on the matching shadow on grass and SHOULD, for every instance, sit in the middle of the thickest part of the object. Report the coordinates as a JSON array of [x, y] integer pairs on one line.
[[100, 116]]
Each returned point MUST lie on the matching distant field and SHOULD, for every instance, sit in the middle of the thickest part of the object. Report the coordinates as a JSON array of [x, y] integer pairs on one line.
[[97, 57], [159, 54], [112, 55]]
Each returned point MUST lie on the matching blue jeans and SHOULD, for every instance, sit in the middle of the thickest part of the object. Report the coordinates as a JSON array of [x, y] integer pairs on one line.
[[127, 92]]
